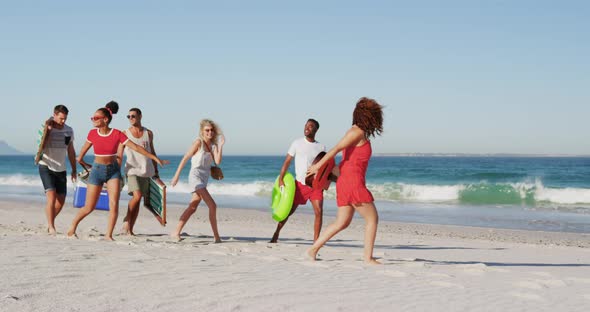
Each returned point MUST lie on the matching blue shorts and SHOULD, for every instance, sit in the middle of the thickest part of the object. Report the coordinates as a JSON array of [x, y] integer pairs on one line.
[[101, 174], [53, 181]]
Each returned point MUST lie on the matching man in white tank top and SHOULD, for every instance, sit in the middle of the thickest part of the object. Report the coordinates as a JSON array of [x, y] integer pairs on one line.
[[304, 150], [138, 168]]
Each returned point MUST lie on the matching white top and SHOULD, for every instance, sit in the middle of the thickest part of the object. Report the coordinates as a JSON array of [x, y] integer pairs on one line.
[[304, 153], [201, 163], [56, 148], [138, 164]]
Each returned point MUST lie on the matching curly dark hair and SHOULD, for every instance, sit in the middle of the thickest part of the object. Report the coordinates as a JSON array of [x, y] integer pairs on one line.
[[368, 115], [109, 110]]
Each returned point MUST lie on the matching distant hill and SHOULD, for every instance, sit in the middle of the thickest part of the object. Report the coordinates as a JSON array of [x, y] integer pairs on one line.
[[6, 149]]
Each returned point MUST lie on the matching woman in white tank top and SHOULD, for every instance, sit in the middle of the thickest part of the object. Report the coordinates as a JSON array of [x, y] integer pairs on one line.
[[203, 152]]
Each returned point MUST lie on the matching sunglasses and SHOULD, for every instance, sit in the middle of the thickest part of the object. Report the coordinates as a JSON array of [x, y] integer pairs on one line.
[[95, 118], [208, 130], [131, 116]]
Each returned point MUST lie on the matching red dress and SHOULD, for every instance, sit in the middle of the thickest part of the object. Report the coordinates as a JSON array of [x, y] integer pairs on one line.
[[351, 186]]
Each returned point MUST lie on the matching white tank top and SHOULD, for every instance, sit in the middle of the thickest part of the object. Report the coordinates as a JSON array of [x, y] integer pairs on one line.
[[137, 164]]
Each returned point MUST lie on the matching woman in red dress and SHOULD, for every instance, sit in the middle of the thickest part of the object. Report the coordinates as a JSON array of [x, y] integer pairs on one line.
[[351, 190]]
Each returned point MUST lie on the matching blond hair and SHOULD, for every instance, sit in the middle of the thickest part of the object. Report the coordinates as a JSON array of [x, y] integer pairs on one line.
[[216, 130]]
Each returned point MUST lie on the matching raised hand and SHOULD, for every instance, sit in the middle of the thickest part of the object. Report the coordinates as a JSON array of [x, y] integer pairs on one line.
[[49, 123]]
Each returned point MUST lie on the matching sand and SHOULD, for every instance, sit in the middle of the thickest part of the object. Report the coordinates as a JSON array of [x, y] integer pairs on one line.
[[426, 267]]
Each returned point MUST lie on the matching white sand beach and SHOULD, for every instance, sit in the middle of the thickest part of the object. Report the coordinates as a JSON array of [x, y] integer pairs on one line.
[[426, 267]]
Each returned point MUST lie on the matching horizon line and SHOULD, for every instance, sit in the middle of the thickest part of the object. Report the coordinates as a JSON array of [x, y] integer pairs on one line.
[[434, 154]]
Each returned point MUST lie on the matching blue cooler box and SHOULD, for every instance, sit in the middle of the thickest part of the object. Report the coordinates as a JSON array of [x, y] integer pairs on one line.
[[80, 197]]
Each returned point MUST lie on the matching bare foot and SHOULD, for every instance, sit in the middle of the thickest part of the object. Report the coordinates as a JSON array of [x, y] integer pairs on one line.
[[310, 254], [51, 231], [72, 235], [217, 241], [109, 238], [372, 261], [125, 229], [127, 232], [273, 241], [175, 237]]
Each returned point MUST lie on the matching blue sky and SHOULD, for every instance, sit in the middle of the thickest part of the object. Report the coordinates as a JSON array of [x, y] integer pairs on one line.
[[455, 76]]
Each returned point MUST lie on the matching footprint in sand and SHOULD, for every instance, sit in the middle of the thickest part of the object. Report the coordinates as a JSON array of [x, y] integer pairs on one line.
[[474, 269], [415, 265], [271, 258], [552, 283], [527, 296], [11, 298], [218, 253], [540, 284], [447, 284], [125, 243], [437, 275], [354, 267], [394, 273], [579, 280], [542, 274], [529, 285], [315, 264]]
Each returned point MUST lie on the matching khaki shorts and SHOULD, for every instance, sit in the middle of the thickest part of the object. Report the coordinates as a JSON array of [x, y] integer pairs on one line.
[[135, 183]]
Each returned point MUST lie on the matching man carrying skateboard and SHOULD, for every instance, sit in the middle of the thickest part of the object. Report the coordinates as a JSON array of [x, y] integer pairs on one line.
[[138, 168], [57, 141]]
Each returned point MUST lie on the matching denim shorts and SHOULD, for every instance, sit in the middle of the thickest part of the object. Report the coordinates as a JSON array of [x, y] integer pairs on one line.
[[101, 174], [53, 181]]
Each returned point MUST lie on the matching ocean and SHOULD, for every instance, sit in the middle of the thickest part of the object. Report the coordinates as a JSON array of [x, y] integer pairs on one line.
[[528, 193]]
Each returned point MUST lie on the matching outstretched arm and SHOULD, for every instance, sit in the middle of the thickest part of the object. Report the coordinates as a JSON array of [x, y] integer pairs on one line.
[[352, 137], [218, 153], [151, 136], [142, 151], [191, 151]]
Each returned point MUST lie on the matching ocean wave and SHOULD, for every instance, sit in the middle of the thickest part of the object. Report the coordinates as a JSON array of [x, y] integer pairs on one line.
[[20, 180], [258, 188], [524, 193], [478, 194]]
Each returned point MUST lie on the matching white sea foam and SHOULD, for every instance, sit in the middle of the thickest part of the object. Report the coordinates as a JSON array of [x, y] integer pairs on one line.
[[386, 191], [258, 188], [562, 196], [20, 180], [431, 193]]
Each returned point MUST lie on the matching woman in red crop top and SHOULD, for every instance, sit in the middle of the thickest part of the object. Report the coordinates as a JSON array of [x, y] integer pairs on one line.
[[351, 190], [106, 166]]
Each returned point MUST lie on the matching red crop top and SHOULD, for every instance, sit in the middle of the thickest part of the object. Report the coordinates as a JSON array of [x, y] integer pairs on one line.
[[106, 145]]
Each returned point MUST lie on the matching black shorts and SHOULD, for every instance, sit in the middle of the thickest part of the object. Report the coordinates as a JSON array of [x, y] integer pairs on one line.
[[53, 181]]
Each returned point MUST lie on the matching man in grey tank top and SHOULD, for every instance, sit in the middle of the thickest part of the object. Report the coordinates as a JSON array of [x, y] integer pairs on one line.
[[138, 168]]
